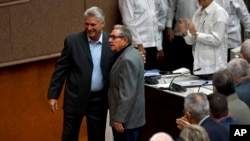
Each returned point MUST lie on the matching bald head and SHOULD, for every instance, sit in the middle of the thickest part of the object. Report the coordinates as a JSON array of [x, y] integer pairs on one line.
[[245, 50], [161, 136]]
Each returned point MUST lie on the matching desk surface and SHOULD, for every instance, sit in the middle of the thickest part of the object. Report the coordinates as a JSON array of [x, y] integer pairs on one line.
[[165, 81], [164, 106]]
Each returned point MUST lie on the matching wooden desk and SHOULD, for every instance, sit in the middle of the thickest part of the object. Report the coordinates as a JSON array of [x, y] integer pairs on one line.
[[163, 107]]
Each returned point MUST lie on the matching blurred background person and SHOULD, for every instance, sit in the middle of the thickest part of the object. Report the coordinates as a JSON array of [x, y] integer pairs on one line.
[[245, 51], [238, 17], [161, 7], [219, 110], [193, 132], [141, 18], [223, 83], [240, 70], [196, 111], [161, 136], [174, 44]]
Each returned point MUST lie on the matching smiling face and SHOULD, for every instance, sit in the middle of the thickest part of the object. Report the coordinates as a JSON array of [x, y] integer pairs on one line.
[[116, 41], [93, 27]]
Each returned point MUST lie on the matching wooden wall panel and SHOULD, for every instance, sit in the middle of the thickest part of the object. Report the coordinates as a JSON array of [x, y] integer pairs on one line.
[[5, 39], [38, 27], [23, 104]]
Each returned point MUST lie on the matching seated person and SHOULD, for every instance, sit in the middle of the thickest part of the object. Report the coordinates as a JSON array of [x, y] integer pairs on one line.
[[219, 110], [161, 136], [245, 50], [196, 111], [223, 82], [240, 69], [193, 132]]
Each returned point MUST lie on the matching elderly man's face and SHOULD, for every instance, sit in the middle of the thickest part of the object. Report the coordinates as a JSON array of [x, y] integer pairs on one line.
[[116, 41]]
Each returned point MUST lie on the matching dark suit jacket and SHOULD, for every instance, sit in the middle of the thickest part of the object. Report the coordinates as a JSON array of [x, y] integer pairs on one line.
[[75, 68], [216, 132]]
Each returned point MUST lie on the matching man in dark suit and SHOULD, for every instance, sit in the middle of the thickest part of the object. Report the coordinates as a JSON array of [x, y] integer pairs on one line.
[[84, 66], [126, 91], [196, 111]]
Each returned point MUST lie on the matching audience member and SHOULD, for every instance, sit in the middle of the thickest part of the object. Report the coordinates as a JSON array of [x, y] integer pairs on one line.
[[140, 16], [240, 69], [223, 82], [238, 17], [161, 136], [207, 32], [85, 72], [174, 45], [196, 111], [193, 132], [126, 91], [245, 50], [219, 110]]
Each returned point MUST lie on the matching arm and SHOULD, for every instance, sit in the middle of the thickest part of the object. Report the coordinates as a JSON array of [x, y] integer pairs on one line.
[[58, 78], [213, 29], [242, 13], [127, 89], [170, 17]]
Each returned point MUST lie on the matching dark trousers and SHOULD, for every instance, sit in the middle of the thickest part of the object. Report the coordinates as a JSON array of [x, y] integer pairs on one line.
[[96, 115], [177, 53], [151, 58], [127, 135]]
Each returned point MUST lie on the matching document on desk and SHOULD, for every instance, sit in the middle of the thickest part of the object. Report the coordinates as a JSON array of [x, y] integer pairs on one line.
[[194, 83], [153, 72]]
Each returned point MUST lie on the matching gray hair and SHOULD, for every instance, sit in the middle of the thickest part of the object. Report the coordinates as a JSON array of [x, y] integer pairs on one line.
[[194, 132], [245, 50], [95, 12], [124, 31], [239, 67], [197, 105], [161, 136]]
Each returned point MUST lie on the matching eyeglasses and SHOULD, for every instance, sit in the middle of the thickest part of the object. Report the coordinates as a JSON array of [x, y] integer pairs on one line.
[[113, 37]]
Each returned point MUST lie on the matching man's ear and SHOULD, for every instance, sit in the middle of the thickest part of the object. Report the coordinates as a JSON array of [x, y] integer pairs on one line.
[[215, 89]]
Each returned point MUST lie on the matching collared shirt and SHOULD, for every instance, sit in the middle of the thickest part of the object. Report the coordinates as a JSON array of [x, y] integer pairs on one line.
[[203, 119], [210, 45], [97, 78], [180, 9], [238, 15], [140, 17]]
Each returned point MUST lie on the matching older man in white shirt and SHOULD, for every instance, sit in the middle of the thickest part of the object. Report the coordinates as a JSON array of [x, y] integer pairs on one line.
[[207, 32]]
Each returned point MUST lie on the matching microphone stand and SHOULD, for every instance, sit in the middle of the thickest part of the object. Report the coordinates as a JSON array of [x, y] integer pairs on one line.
[[205, 83], [176, 87]]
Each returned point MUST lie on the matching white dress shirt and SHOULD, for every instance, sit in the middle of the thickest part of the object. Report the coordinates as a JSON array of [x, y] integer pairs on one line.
[[140, 17], [180, 9], [210, 45], [238, 14]]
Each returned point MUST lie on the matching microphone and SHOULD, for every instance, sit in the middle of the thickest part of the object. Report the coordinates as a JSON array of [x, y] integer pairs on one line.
[[176, 87], [205, 83]]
